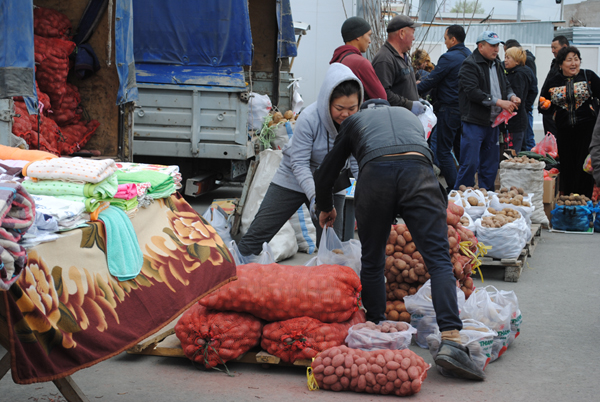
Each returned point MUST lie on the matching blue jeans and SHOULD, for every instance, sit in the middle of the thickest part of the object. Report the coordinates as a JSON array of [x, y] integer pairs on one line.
[[447, 128], [529, 140], [479, 153], [410, 188]]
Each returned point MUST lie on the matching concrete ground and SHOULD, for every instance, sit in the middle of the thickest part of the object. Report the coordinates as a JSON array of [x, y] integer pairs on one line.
[[556, 357]]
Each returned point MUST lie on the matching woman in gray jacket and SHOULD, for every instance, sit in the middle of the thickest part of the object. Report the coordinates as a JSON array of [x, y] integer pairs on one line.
[[340, 96]]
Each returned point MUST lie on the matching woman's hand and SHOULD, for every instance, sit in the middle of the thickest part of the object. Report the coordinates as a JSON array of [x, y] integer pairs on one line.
[[544, 103]]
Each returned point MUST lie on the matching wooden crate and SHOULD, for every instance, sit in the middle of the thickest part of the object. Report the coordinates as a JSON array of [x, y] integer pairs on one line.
[[513, 267]]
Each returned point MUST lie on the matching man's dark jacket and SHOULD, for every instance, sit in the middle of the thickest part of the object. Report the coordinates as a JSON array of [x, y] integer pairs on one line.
[[369, 134], [444, 76], [530, 62], [474, 95]]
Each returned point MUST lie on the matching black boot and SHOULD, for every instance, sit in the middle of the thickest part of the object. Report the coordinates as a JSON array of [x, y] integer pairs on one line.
[[456, 358]]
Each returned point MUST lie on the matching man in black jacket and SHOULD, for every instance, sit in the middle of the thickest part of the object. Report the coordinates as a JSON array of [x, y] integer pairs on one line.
[[557, 43], [397, 177], [528, 140], [483, 92]]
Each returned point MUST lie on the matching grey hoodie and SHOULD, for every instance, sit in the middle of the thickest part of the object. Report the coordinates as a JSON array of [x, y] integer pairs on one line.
[[307, 148]]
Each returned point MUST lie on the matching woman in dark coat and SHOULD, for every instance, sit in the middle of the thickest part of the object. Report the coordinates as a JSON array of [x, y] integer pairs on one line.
[[521, 81], [573, 93]]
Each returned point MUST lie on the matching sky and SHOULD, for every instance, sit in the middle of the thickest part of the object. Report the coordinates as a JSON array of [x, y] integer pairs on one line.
[[545, 10]]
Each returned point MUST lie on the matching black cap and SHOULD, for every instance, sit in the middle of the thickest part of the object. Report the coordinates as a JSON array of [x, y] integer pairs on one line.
[[401, 21], [354, 27]]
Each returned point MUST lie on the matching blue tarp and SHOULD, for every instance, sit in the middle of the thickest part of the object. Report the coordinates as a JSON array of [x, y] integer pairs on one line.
[[17, 74], [217, 33], [286, 39], [128, 91]]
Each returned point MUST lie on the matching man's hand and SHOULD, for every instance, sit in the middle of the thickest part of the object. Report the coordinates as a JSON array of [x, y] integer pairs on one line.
[[507, 105], [516, 100], [327, 218]]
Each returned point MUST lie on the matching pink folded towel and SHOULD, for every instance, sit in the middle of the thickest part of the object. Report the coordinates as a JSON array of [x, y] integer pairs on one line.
[[126, 191]]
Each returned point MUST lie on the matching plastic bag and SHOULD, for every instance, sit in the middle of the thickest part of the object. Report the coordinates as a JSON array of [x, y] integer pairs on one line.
[[577, 218], [297, 101], [525, 211], [455, 197], [368, 339], [422, 314], [259, 107], [587, 165], [471, 225], [219, 220], [506, 241], [475, 210], [306, 233], [503, 117], [275, 292], [265, 257], [480, 307], [530, 177], [547, 145], [283, 133], [428, 119], [305, 337], [475, 336], [335, 252], [508, 298]]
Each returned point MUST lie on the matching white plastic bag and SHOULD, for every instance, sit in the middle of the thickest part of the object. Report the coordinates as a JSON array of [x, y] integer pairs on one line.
[[335, 252], [507, 241], [455, 197], [471, 224], [265, 256], [428, 119], [368, 339], [480, 307], [530, 177], [283, 133], [474, 210], [306, 233], [422, 314], [259, 107], [284, 243], [297, 101], [525, 211], [219, 220], [475, 336], [508, 298]]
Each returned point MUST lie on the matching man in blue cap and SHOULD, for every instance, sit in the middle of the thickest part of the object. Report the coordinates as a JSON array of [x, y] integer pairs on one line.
[[483, 92]]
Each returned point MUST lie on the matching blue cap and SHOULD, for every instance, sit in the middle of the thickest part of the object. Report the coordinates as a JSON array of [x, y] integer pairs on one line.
[[490, 37]]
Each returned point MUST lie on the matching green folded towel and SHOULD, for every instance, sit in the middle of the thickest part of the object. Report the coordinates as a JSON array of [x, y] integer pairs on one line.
[[103, 190], [162, 185], [125, 205], [123, 253]]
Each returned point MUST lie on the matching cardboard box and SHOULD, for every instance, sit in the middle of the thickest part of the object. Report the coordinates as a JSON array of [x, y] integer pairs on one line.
[[550, 190]]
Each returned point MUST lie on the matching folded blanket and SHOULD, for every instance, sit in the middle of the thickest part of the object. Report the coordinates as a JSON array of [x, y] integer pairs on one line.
[[14, 258], [106, 189], [161, 184], [24, 154], [171, 170], [17, 209], [59, 208], [126, 191], [125, 205], [71, 169], [123, 252], [91, 204]]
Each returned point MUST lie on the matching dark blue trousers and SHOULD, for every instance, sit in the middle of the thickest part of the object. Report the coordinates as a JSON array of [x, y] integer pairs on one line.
[[479, 153], [447, 129], [409, 188], [529, 140]]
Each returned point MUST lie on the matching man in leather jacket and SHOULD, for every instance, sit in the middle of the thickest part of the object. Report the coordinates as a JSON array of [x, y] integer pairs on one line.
[[483, 92], [397, 177]]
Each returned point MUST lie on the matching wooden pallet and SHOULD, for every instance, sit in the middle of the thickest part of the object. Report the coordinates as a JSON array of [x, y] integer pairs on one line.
[[167, 344], [513, 267]]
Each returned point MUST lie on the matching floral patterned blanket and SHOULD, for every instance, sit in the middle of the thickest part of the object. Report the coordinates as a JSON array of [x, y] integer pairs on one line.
[[66, 312]]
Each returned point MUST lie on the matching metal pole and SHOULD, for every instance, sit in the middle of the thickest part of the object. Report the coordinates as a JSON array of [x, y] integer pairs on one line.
[[562, 7], [519, 3]]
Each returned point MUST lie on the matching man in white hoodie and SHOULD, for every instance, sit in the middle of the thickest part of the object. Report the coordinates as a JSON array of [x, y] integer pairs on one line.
[[317, 127]]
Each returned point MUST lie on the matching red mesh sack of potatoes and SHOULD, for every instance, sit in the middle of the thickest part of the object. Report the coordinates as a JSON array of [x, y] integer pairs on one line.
[[21, 124], [212, 337], [275, 292], [75, 136], [386, 372], [51, 74], [304, 337], [50, 23], [69, 111]]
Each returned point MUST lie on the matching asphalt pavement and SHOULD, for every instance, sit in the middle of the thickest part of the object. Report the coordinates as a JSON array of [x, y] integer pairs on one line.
[[556, 357]]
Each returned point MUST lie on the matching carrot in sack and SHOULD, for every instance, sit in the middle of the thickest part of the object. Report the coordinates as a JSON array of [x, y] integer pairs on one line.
[[274, 292], [305, 337], [212, 338]]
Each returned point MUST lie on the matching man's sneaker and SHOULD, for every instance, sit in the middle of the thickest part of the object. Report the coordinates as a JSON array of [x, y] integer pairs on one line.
[[456, 358]]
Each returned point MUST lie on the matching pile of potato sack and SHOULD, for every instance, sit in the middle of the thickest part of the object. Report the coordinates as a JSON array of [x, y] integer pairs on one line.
[[406, 272]]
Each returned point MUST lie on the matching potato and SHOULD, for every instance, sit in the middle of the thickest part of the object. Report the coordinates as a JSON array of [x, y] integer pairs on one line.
[[288, 114], [393, 315], [473, 200], [410, 247]]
